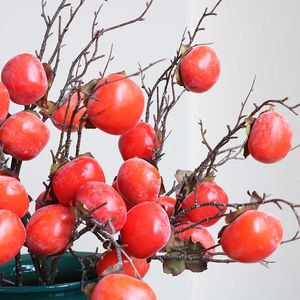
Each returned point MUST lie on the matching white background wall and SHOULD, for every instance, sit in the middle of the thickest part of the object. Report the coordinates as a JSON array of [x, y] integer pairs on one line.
[[251, 38]]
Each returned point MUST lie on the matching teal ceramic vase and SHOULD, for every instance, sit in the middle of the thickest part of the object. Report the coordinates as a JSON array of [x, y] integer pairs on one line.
[[67, 285]]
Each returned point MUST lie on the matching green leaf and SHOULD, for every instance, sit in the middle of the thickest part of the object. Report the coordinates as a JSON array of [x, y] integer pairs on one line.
[[173, 266]]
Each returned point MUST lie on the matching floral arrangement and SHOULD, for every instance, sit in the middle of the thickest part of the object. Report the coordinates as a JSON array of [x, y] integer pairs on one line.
[[137, 219]]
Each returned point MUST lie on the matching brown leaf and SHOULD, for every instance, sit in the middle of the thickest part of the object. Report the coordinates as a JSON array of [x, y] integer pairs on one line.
[[246, 152], [88, 124], [160, 137], [255, 197], [209, 178], [182, 174], [234, 214], [250, 120], [88, 289], [87, 89], [196, 266], [47, 108], [54, 167], [49, 73], [116, 268]]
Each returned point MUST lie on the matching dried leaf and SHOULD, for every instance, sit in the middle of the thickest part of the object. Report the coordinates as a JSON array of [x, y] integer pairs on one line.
[[209, 178], [255, 197], [88, 124], [250, 120], [173, 243], [221, 231], [49, 73], [174, 266], [57, 165], [196, 266], [182, 174], [246, 150], [234, 214], [47, 108], [177, 76], [159, 135], [116, 268], [87, 90], [88, 289]]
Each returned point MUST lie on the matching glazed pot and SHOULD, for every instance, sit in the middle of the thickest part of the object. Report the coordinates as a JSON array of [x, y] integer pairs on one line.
[[67, 284]]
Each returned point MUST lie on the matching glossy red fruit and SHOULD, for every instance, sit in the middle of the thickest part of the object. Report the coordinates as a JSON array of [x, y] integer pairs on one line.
[[199, 69], [252, 236], [49, 229], [4, 102], [105, 202], [146, 220], [62, 116], [110, 258], [25, 79], [138, 181], [12, 235], [270, 138], [138, 142], [128, 204], [168, 204], [13, 196], [41, 202], [122, 287], [198, 234], [68, 179], [117, 104], [207, 192], [24, 135]]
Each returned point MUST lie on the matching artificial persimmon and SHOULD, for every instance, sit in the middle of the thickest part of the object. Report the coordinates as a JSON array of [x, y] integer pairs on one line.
[[63, 114], [49, 229], [138, 142], [116, 105], [167, 202], [270, 138], [198, 234], [122, 287], [4, 102], [23, 135], [207, 193], [12, 235], [105, 204], [25, 78], [147, 219], [138, 181], [252, 236], [199, 69], [13, 196], [68, 179]]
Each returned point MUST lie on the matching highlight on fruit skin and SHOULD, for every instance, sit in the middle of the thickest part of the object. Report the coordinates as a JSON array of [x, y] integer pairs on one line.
[[270, 138]]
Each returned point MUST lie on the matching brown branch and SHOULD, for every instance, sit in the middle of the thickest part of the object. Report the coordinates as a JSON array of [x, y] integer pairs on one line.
[[49, 23]]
